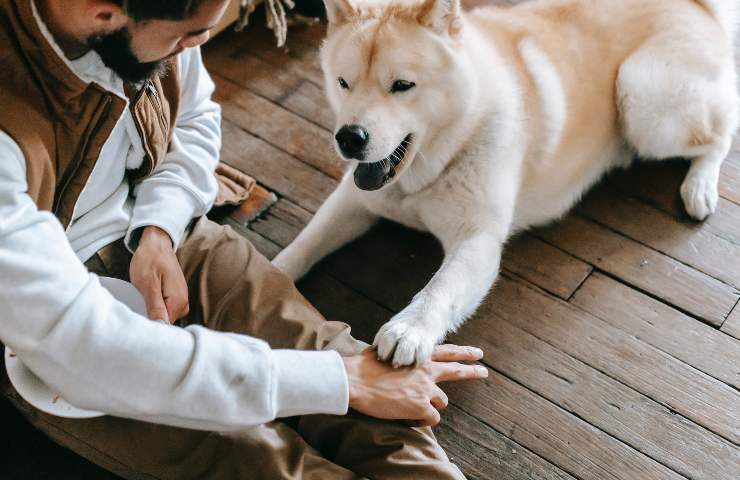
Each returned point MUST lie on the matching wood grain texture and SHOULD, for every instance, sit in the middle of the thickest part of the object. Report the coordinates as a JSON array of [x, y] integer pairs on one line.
[[689, 242], [279, 127], [622, 356], [645, 268], [544, 265], [278, 171], [732, 325], [600, 400], [572, 444], [657, 324]]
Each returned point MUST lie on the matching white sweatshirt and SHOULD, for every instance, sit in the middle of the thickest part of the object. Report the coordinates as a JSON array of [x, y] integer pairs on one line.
[[92, 349]]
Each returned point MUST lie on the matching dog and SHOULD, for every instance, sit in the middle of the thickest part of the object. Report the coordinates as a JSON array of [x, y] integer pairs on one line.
[[477, 125]]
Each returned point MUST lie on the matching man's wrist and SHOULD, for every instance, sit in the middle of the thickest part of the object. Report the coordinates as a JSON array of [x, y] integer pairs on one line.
[[153, 235], [350, 369]]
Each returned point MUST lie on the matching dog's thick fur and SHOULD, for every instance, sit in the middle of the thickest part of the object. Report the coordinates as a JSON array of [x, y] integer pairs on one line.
[[515, 113]]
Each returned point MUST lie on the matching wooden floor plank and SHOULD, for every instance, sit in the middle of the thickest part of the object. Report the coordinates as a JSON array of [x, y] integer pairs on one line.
[[570, 443], [653, 322], [279, 127], [250, 72], [544, 265], [300, 52], [600, 400], [484, 454], [308, 101], [650, 371], [658, 184], [643, 267], [729, 184], [732, 325], [278, 171], [687, 242]]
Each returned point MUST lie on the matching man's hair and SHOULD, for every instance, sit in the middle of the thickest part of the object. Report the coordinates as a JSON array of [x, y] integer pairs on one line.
[[142, 10]]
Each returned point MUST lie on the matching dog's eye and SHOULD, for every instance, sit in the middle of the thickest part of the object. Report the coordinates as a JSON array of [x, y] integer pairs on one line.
[[343, 83], [402, 86]]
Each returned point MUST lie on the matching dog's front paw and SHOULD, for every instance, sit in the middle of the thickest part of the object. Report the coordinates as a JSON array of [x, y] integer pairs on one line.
[[404, 341], [699, 193]]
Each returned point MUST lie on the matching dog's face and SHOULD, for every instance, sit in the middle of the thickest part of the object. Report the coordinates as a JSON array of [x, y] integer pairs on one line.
[[393, 79]]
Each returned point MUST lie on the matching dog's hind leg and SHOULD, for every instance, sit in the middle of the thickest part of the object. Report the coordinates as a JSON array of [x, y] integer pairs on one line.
[[341, 219], [677, 98]]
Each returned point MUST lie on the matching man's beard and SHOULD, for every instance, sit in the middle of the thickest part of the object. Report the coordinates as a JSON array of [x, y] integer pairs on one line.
[[115, 51]]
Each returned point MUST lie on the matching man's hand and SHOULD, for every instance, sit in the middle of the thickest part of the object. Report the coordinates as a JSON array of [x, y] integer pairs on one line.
[[409, 393], [156, 274]]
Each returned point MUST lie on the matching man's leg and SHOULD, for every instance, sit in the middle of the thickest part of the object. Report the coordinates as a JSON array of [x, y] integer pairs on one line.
[[234, 288], [140, 450]]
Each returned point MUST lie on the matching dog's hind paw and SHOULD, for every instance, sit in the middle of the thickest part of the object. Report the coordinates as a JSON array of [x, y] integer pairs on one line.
[[699, 194], [404, 344]]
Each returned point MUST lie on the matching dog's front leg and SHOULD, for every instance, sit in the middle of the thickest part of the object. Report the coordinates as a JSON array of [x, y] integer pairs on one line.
[[341, 219], [471, 264]]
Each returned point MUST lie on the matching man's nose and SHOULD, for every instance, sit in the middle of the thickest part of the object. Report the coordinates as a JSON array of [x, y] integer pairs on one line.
[[352, 141], [194, 41]]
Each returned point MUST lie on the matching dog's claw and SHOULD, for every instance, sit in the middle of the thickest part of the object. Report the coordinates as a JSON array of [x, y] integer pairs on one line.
[[403, 344]]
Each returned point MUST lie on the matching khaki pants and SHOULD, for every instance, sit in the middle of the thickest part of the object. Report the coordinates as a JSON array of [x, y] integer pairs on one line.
[[234, 288]]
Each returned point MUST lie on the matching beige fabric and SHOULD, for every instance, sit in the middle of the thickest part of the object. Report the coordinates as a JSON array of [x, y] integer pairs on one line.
[[234, 288], [233, 186]]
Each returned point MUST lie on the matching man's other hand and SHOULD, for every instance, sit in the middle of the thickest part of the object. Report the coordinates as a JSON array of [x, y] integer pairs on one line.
[[409, 393], [156, 274]]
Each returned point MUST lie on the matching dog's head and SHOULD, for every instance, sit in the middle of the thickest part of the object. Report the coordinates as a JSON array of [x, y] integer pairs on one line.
[[393, 78]]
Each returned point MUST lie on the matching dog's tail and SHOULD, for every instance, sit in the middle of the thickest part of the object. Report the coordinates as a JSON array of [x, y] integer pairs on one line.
[[727, 13]]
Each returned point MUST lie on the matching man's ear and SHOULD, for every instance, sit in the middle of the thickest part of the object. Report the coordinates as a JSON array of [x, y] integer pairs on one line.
[[105, 15], [441, 16], [338, 11]]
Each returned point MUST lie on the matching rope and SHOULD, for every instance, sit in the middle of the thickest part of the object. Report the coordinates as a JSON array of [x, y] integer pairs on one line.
[[276, 16]]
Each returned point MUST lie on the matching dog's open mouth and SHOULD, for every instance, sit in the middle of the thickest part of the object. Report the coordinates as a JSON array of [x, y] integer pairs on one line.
[[373, 175]]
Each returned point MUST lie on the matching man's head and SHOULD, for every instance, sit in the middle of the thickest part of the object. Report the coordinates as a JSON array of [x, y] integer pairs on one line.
[[136, 38]]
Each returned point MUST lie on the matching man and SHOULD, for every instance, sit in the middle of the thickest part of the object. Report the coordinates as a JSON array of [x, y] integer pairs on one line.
[[108, 142]]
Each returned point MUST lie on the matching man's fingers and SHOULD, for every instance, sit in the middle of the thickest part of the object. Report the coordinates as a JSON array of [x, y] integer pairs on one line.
[[431, 418], [156, 309], [452, 372], [455, 353], [175, 292], [176, 308], [439, 399]]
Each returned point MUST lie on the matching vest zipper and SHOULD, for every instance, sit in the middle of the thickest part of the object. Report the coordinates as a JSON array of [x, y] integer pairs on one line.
[[158, 102], [107, 102]]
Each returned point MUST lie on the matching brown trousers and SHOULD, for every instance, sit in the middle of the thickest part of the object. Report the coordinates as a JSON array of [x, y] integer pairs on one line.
[[234, 288]]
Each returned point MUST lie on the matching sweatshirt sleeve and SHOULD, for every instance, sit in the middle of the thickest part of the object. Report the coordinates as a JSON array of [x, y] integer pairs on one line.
[[183, 185], [100, 355]]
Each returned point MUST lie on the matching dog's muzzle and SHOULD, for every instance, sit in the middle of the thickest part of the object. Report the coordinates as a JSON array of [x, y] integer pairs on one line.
[[374, 175]]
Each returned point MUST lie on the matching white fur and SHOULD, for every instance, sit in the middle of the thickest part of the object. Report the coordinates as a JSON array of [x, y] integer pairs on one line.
[[499, 148]]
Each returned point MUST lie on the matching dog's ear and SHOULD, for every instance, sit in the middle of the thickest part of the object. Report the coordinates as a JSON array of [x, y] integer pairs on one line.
[[338, 11], [442, 16]]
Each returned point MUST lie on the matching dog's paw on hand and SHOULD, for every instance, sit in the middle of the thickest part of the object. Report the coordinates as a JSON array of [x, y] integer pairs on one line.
[[700, 196], [403, 343]]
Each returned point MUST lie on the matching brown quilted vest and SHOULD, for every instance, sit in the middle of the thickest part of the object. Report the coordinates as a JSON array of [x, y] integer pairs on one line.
[[61, 122]]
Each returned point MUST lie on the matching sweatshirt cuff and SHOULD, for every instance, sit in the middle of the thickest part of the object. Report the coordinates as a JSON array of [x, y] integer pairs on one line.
[[310, 382], [164, 205]]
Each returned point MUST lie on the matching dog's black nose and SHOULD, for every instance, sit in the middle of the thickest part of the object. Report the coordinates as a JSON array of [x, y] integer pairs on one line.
[[352, 140]]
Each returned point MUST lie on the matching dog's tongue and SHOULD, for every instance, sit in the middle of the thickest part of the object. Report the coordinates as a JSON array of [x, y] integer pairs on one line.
[[372, 176]]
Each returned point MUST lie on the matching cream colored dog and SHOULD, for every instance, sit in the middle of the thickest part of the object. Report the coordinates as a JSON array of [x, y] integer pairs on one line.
[[474, 126]]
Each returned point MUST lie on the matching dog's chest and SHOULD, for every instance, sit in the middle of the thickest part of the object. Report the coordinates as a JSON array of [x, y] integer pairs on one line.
[[395, 206]]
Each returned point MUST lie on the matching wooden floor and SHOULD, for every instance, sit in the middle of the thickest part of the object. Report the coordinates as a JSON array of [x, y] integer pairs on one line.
[[612, 338]]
